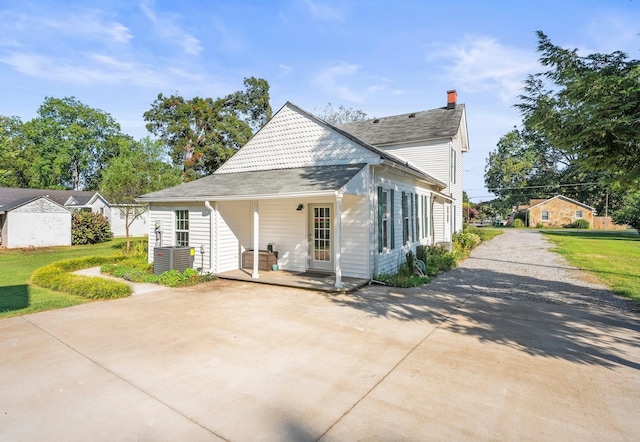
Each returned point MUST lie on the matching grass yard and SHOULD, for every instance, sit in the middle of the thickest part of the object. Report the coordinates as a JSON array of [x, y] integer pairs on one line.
[[487, 233], [17, 297], [613, 256]]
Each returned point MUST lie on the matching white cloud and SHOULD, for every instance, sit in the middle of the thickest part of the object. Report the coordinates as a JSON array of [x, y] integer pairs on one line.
[[480, 64], [322, 11], [89, 69], [344, 81], [167, 28]]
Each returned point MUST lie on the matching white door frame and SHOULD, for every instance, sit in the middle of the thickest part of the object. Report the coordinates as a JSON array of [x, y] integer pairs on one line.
[[322, 235]]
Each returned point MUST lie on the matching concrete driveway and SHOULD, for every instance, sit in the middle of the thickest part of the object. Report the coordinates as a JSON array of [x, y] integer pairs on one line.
[[239, 361]]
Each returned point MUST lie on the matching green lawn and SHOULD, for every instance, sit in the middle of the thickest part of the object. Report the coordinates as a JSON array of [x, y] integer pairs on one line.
[[17, 297], [487, 233], [612, 256]]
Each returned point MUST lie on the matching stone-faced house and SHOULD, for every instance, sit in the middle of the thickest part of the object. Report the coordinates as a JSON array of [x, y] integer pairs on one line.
[[557, 211], [348, 200]]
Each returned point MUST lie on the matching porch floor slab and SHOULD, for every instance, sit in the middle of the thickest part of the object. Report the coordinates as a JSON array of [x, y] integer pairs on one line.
[[303, 280]]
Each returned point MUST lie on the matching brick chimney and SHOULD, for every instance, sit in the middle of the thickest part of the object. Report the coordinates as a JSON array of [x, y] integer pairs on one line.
[[452, 99]]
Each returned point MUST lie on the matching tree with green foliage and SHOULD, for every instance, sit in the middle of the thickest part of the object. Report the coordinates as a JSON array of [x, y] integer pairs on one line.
[[589, 108], [629, 212], [138, 169], [524, 166], [341, 115], [202, 133], [70, 144], [10, 149]]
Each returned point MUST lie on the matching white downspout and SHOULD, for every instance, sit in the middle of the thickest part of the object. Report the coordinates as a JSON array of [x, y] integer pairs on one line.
[[338, 245], [256, 230], [212, 212]]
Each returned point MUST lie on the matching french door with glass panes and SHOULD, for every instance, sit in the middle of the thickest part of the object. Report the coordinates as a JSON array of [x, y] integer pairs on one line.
[[321, 236]]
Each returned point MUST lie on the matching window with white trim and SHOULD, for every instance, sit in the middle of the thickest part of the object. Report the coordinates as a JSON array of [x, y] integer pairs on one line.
[[182, 227], [578, 213], [385, 219], [405, 218], [544, 216]]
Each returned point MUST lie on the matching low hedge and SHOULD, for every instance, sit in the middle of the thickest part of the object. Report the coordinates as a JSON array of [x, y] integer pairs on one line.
[[57, 276]]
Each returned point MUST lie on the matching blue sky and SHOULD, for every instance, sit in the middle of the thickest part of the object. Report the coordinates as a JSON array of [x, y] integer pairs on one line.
[[382, 57]]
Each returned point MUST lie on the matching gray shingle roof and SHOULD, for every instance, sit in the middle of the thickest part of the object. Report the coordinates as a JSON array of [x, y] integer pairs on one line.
[[406, 128], [8, 195], [262, 183]]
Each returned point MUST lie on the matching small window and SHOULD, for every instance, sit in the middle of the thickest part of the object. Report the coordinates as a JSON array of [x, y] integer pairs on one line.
[[405, 218], [385, 219], [578, 213], [545, 215], [123, 214], [182, 227], [454, 168]]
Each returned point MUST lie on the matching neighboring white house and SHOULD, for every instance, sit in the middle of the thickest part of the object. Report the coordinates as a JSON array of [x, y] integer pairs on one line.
[[34, 222], [117, 220], [322, 196], [13, 232]]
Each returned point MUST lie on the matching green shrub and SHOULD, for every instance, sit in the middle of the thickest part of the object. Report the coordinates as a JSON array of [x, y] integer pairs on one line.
[[579, 224], [56, 276], [539, 226], [466, 240], [517, 223], [89, 228], [404, 278], [436, 258]]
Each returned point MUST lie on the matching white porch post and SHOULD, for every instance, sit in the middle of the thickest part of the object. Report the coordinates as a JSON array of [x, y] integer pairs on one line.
[[256, 244], [338, 245]]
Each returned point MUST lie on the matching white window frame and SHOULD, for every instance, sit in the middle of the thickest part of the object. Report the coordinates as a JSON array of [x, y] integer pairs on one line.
[[182, 227], [579, 214], [544, 215]]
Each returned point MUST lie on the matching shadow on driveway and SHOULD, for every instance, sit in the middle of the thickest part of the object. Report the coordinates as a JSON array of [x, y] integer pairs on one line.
[[488, 305]]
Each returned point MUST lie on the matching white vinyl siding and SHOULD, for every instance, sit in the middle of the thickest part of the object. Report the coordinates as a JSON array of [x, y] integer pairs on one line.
[[234, 233], [198, 230], [293, 139], [282, 224], [355, 237]]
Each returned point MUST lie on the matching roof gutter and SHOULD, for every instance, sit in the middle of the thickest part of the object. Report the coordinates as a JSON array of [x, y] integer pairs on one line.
[[179, 199]]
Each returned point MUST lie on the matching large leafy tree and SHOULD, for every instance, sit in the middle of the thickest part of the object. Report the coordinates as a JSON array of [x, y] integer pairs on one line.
[[138, 169], [11, 144], [341, 114], [202, 133], [588, 107], [525, 166], [629, 211], [70, 144]]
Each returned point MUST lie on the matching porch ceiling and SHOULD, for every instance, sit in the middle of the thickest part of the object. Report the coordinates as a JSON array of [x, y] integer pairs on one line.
[[281, 183]]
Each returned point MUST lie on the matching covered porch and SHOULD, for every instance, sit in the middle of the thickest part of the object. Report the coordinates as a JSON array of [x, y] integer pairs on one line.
[[324, 282]]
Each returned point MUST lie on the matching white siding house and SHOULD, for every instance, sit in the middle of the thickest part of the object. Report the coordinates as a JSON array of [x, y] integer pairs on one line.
[[323, 197]]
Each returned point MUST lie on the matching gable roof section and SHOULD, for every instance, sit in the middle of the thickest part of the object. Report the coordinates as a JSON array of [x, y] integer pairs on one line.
[[20, 202], [411, 127], [279, 183], [563, 198], [295, 138], [61, 197]]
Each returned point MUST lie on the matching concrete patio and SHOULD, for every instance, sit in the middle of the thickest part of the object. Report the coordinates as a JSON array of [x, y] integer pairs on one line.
[[304, 280]]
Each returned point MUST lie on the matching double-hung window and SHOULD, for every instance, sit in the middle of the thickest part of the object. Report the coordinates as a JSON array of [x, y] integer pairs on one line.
[[544, 216], [578, 213], [182, 227], [405, 218]]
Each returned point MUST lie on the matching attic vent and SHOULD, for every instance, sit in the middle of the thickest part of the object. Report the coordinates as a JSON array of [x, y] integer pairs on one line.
[[376, 120], [412, 115]]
